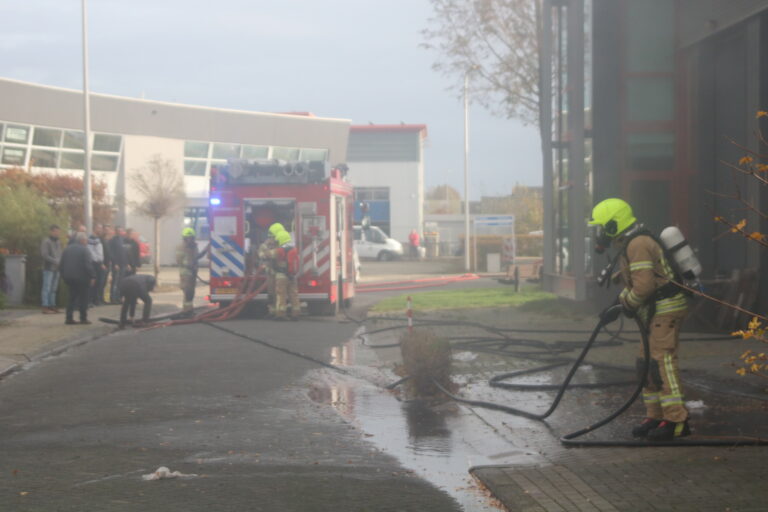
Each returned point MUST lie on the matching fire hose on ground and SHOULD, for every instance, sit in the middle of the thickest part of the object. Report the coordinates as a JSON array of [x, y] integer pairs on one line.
[[572, 439], [249, 290]]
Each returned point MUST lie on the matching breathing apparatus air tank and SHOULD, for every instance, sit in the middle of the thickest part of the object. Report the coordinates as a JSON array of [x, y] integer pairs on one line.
[[683, 257]]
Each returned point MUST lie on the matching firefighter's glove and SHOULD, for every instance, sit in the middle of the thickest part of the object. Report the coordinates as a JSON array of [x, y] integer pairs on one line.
[[611, 314]]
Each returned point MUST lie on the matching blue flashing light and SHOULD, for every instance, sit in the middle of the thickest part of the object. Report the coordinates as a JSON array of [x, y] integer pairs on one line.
[[215, 201]]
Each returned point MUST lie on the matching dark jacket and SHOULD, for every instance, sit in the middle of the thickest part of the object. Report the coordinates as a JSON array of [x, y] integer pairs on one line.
[[132, 252], [76, 264], [117, 254], [107, 258], [137, 285], [50, 250]]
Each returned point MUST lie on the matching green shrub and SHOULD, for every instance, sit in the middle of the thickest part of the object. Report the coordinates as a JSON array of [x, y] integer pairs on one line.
[[25, 222]]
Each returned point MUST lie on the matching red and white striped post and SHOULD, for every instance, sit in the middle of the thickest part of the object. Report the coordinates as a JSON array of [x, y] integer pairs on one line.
[[409, 314]]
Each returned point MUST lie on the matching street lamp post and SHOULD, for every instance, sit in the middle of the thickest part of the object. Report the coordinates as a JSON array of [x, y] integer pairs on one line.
[[466, 171], [87, 196]]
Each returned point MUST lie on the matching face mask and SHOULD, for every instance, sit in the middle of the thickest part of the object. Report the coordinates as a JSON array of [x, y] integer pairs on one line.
[[602, 240]]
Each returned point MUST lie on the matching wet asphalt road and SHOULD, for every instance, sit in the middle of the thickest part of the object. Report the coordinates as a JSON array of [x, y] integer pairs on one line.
[[78, 431]]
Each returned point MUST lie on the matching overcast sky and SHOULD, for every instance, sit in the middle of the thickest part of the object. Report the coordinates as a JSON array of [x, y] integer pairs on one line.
[[354, 59]]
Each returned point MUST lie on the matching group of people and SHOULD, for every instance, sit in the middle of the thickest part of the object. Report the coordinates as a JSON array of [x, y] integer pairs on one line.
[[280, 260], [85, 266]]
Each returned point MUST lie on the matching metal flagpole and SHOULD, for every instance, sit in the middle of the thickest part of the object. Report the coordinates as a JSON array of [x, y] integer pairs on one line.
[[87, 198], [466, 171]]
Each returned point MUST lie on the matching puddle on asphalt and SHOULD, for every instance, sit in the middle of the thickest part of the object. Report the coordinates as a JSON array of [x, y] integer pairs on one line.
[[438, 443]]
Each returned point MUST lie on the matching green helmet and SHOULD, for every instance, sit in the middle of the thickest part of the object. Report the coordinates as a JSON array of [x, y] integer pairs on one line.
[[283, 238], [188, 232], [276, 228], [613, 215]]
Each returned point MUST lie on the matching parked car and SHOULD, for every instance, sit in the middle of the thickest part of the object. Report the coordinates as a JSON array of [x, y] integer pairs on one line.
[[372, 242], [356, 259]]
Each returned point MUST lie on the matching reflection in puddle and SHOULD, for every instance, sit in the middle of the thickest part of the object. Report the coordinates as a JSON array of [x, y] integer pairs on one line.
[[427, 430], [344, 355], [439, 444]]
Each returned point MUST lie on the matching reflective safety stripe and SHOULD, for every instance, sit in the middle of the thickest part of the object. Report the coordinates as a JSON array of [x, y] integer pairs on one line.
[[633, 299], [623, 293], [669, 369], [651, 398], [668, 400], [641, 265], [666, 268], [679, 428], [671, 305]]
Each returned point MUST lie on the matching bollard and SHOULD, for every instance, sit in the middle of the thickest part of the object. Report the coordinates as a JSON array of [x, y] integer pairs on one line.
[[517, 279]]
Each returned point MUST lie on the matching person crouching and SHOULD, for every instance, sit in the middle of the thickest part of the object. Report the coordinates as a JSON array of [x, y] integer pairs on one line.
[[132, 288]]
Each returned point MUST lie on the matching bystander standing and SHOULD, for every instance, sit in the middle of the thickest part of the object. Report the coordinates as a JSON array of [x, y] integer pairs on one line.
[[413, 242], [75, 230], [119, 261], [77, 271], [132, 251], [106, 234], [50, 250], [97, 258]]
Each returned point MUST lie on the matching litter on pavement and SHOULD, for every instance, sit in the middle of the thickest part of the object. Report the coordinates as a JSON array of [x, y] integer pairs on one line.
[[163, 473]]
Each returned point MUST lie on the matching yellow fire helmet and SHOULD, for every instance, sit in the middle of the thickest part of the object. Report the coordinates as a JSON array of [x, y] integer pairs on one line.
[[276, 228], [283, 238], [188, 232], [613, 215]]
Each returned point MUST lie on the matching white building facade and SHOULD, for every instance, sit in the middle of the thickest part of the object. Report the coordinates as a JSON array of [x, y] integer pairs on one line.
[[41, 129], [387, 167]]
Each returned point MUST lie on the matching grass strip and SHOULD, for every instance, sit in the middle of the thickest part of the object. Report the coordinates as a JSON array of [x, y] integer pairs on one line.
[[465, 299]]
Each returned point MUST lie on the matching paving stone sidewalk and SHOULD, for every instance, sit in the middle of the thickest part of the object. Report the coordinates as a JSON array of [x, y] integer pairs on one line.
[[654, 478], [623, 479]]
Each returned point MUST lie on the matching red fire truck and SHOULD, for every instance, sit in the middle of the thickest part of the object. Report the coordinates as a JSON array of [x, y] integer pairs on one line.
[[315, 205]]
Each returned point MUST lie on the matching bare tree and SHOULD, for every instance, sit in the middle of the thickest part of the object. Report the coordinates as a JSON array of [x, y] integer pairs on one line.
[[495, 40], [160, 188]]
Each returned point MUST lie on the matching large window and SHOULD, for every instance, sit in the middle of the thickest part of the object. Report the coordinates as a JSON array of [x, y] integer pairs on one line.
[[372, 194], [44, 158], [649, 79], [255, 152], [650, 99], [224, 151], [650, 151], [107, 143], [16, 134], [13, 155], [47, 137], [54, 148], [194, 167], [650, 36], [74, 140]]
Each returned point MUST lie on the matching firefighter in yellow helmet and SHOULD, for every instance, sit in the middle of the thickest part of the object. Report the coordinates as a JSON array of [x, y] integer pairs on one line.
[[267, 260], [187, 257], [286, 272], [649, 293]]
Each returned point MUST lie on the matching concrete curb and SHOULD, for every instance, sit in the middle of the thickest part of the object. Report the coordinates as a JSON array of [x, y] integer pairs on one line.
[[56, 348]]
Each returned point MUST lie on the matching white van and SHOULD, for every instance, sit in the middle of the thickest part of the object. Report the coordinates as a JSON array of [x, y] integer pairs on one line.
[[372, 242]]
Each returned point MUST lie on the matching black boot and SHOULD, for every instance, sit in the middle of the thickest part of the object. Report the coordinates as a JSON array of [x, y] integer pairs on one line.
[[644, 427], [669, 430]]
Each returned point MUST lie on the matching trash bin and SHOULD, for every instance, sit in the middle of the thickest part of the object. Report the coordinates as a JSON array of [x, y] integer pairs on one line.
[[432, 244], [15, 273]]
